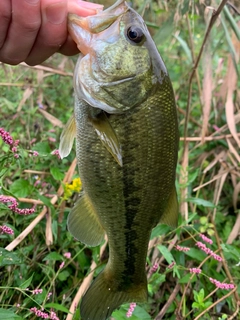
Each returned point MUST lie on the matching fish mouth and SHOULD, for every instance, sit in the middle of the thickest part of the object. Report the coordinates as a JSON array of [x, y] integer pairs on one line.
[[83, 29]]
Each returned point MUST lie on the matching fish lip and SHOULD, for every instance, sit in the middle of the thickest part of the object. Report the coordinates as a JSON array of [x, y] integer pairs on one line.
[[84, 29]]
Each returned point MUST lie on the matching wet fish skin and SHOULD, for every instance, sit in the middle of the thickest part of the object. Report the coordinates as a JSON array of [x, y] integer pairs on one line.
[[127, 143]]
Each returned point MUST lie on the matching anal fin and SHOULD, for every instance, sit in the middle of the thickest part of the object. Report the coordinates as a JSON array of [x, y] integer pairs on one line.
[[83, 223]]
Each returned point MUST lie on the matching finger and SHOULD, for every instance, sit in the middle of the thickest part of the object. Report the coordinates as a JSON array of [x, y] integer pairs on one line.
[[5, 18], [83, 8], [53, 32], [22, 32]]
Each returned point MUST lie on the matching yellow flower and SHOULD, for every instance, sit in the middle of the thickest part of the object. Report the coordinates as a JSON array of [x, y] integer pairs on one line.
[[69, 188]]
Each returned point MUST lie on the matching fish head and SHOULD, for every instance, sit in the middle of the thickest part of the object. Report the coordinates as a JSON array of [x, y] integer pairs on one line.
[[119, 65]]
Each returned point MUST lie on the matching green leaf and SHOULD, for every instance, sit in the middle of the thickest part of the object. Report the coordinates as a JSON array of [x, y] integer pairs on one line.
[[62, 276], [196, 254], [186, 278], [6, 314], [201, 202], [167, 254], [195, 305], [43, 148], [185, 47], [232, 22], [56, 173], [9, 258], [53, 256], [159, 230], [57, 306], [76, 314], [20, 188], [26, 283]]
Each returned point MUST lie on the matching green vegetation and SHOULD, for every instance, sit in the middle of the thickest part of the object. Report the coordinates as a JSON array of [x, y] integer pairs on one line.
[[42, 266]]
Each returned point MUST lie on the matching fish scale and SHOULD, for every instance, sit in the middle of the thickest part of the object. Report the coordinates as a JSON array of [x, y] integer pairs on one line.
[[127, 144]]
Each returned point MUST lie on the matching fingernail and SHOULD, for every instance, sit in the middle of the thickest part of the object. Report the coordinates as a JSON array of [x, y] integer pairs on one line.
[[32, 1], [56, 13]]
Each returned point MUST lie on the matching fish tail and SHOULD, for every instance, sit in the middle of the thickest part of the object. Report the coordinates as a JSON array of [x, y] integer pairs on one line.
[[103, 297]]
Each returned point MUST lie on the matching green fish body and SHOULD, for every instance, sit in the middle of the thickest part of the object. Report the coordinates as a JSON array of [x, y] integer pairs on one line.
[[127, 143]]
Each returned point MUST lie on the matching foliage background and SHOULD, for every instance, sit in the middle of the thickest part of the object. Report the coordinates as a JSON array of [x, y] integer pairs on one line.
[[36, 102]]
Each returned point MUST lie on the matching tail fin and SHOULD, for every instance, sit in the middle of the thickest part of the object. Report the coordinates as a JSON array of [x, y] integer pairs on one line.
[[102, 298]]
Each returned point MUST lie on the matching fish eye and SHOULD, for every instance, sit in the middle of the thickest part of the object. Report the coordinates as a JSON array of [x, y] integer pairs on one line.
[[135, 34]]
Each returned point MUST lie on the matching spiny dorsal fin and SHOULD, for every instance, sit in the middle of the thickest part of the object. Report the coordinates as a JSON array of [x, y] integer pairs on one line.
[[108, 136], [67, 138], [83, 223], [170, 216]]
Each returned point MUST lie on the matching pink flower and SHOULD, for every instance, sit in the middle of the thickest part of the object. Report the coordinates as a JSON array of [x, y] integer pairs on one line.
[[154, 268], [40, 313], [184, 249], [205, 239], [52, 139], [195, 270], [7, 138], [49, 295], [208, 251], [56, 152], [131, 309], [35, 153], [220, 285], [37, 291], [67, 255], [5, 229], [16, 155], [171, 265], [61, 265], [14, 205]]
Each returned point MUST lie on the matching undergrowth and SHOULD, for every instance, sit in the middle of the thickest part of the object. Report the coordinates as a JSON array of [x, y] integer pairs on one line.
[[193, 271]]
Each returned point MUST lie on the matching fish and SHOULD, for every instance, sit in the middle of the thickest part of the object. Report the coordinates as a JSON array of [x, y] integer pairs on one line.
[[126, 128]]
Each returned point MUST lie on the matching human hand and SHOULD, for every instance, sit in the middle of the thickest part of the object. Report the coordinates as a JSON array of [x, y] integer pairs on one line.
[[32, 30]]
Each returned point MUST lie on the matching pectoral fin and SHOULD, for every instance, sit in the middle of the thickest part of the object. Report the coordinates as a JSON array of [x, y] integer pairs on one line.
[[84, 224], [67, 138], [108, 136], [170, 216]]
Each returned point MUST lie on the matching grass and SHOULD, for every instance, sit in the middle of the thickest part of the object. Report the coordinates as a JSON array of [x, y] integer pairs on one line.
[[35, 104]]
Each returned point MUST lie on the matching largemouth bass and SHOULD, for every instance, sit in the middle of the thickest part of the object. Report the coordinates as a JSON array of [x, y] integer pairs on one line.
[[127, 142]]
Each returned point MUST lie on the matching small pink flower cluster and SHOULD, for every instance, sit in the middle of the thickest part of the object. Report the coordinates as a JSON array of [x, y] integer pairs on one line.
[[14, 205], [56, 153], [40, 313], [33, 153], [37, 291], [61, 265], [8, 139], [220, 285], [195, 270], [179, 248], [67, 255], [44, 315], [205, 239], [154, 268], [131, 309], [49, 295], [171, 265], [208, 251], [5, 229]]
